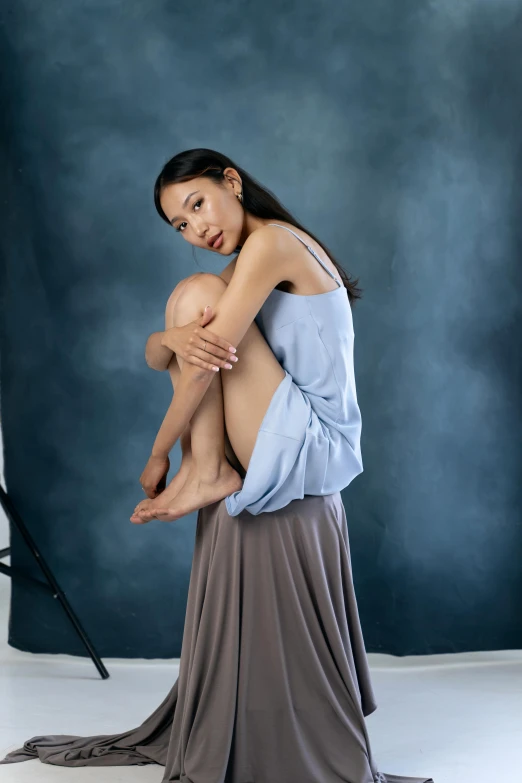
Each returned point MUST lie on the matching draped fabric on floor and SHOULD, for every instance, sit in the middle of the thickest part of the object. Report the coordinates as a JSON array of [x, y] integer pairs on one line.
[[274, 684]]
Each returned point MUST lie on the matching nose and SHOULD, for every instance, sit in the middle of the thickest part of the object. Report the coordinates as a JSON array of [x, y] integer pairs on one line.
[[201, 231]]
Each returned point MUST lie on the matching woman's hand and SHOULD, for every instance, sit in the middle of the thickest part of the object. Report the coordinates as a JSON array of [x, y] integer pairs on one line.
[[198, 345], [154, 477]]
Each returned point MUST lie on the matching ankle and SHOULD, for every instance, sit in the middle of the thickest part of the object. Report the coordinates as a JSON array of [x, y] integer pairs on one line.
[[211, 470]]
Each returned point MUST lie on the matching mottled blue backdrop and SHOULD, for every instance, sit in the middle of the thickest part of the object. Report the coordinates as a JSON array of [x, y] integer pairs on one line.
[[392, 130]]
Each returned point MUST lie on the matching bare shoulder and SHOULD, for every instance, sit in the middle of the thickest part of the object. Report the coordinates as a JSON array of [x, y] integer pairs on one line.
[[268, 246], [266, 237], [268, 242], [257, 240]]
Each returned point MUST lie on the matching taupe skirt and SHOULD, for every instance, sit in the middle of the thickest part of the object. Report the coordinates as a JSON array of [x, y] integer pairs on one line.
[[273, 683]]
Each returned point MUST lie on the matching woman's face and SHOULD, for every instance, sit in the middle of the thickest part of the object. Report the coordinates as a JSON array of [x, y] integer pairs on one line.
[[200, 209]]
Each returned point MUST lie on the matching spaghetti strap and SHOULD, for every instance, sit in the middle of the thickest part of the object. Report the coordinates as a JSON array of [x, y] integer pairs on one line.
[[312, 251]]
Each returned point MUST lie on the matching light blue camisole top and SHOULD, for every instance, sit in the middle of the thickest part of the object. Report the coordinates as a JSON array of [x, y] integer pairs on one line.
[[309, 440]]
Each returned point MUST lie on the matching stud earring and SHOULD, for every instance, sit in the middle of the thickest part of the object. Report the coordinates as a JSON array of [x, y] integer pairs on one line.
[[240, 197]]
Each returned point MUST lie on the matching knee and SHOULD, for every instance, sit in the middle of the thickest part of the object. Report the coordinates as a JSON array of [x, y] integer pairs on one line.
[[195, 292]]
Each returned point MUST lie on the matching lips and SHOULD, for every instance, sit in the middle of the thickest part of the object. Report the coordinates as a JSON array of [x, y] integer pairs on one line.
[[212, 240]]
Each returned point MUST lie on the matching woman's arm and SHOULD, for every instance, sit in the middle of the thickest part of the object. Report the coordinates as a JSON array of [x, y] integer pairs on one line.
[[190, 390], [157, 356], [259, 268]]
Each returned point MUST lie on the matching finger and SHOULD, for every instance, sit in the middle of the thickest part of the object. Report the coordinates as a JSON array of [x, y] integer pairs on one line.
[[204, 319], [200, 363], [210, 337], [204, 356], [214, 351], [215, 339]]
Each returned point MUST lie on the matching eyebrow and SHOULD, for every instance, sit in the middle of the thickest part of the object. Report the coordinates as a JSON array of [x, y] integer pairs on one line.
[[185, 204]]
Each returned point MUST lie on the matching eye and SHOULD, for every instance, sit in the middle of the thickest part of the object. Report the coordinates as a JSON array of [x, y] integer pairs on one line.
[[199, 201]]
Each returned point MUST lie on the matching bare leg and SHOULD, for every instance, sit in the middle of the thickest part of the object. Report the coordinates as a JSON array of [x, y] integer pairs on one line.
[[237, 397], [186, 450]]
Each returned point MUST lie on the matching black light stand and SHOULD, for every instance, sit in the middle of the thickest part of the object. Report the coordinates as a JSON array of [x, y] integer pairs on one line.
[[51, 583]]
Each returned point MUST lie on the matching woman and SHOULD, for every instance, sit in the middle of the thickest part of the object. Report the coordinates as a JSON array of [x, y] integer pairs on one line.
[[273, 684]]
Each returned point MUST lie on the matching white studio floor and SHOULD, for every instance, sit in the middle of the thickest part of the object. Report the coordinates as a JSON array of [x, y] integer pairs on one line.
[[455, 717]]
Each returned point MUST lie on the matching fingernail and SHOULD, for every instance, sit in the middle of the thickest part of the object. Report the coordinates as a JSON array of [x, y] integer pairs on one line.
[[232, 349], [233, 358], [216, 369], [228, 366]]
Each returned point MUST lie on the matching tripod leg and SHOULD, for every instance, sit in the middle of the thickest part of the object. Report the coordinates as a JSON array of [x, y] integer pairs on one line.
[[15, 517]]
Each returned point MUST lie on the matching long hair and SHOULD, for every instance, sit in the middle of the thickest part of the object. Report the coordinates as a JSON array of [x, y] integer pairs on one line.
[[257, 200]]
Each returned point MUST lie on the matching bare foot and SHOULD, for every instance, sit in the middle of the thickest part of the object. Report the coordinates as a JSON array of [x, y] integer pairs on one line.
[[173, 488], [195, 494], [142, 505]]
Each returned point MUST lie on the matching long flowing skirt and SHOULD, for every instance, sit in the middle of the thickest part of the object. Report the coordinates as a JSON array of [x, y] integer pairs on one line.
[[273, 684]]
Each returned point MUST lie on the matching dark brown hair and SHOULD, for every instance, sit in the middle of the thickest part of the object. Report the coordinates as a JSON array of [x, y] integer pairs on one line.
[[257, 200]]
